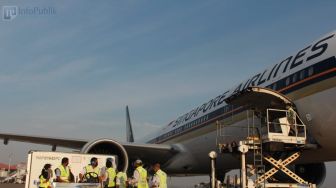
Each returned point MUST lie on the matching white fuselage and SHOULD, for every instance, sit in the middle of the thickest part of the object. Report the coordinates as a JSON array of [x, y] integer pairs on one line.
[[307, 77]]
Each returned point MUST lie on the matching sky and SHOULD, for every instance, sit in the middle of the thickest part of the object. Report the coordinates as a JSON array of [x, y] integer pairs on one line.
[[70, 73]]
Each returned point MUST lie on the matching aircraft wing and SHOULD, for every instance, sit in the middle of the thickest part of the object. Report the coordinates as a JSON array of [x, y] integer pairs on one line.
[[151, 152], [125, 150], [146, 152], [63, 142]]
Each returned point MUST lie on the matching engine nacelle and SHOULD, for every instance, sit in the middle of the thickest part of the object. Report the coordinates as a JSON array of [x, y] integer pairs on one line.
[[313, 172], [108, 146]]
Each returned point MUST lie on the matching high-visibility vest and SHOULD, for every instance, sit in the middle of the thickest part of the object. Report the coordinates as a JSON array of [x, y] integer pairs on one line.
[[44, 183], [111, 176], [291, 115], [142, 182], [122, 179], [163, 178], [65, 173], [89, 169]]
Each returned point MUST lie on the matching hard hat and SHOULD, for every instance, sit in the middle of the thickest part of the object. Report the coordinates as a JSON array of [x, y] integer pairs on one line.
[[138, 161]]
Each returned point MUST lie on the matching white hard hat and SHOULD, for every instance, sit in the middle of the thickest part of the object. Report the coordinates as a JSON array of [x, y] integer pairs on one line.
[[138, 161]]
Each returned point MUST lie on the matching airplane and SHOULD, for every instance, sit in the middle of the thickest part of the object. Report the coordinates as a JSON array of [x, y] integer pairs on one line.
[[307, 78]]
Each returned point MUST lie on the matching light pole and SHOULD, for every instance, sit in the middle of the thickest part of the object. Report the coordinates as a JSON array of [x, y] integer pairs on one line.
[[9, 164], [213, 156], [243, 149]]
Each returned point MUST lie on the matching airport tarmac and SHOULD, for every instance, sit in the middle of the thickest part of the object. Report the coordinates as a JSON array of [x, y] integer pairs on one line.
[[6, 185]]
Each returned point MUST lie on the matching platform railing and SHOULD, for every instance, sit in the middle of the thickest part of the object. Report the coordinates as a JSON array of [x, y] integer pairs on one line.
[[284, 126]]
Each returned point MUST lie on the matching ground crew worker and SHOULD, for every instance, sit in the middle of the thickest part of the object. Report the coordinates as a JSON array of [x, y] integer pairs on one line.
[[139, 179], [91, 172], [121, 179], [291, 120], [63, 172], [159, 180], [45, 176], [110, 174]]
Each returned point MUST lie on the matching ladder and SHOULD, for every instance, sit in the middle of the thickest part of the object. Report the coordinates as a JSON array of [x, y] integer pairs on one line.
[[254, 140]]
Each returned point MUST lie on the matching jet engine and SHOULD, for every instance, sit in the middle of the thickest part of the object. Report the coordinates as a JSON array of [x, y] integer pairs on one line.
[[108, 146], [313, 172]]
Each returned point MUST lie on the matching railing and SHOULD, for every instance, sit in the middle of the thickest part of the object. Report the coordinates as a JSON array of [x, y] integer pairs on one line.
[[284, 126], [230, 131]]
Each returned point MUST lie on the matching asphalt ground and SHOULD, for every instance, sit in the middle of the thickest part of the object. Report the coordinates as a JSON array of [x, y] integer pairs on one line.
[[11, 185]]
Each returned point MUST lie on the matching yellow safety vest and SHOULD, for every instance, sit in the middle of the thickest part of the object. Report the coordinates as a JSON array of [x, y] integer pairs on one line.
[[122, 179], [291, 115], [89, 169], [44, 183], [163, 178], [111, 176], [65, 173], [142, 182]]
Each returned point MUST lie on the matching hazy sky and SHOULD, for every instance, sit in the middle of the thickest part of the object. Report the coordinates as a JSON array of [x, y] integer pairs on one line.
[[70, 73]]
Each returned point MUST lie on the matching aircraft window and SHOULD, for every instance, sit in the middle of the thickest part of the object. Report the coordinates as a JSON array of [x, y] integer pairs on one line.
[[287, 81], [294, 77], [310, 71], [302, 74]]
